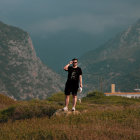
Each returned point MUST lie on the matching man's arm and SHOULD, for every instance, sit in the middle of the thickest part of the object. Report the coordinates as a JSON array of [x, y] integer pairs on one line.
[[81, 81], [66, 67]]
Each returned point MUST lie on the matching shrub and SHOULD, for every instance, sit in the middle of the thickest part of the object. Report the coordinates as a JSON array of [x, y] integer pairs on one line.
[[57, 97], [95, 94], [6, 114], [26, 110]]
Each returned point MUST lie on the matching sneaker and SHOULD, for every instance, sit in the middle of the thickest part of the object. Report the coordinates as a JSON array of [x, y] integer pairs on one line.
[[65, 108], [73, 109]]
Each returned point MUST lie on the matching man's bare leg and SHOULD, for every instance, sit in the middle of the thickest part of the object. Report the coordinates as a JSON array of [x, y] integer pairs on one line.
[[74, 100], [67, 97]]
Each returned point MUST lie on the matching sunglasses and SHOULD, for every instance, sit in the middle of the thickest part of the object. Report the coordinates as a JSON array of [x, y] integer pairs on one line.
[[74, 62]]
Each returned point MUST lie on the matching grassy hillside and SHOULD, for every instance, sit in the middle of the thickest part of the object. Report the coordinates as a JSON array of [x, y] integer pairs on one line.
[[100, 117], [6, 101]]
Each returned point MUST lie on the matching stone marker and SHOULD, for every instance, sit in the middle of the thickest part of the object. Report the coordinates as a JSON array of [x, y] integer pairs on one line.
[[60, 112]]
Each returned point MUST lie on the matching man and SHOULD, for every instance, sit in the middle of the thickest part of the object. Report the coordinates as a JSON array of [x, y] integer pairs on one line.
[[72, 84]]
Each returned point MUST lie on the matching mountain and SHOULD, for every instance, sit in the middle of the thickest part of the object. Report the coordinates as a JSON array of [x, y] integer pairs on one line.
[[22, 74], [117, 61]]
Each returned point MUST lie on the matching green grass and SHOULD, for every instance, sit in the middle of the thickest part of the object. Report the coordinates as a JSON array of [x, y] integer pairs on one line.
[[101, 117], [100, 98], [28, 109]]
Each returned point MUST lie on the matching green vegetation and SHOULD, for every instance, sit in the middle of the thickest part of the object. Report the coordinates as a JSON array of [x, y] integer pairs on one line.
[[28, 109], [100, 117], [100, 98]]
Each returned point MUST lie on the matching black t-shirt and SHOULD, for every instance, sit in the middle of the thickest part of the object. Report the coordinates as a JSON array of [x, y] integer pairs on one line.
[[74, 73]]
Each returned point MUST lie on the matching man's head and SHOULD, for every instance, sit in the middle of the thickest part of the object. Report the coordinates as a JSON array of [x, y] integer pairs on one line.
[[75, 61]]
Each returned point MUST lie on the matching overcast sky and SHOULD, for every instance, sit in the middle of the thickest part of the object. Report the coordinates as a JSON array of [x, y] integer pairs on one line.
[[48, 17], [51, 16]]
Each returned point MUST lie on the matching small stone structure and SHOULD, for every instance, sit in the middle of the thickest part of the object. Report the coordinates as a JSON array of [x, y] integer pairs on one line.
[[60, 112]]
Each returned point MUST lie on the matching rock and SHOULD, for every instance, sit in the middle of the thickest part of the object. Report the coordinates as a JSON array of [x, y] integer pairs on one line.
[[60, 112], [22, 74]]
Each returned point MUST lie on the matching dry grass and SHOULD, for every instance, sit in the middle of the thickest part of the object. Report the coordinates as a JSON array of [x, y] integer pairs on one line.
[[6, 101], [87, 126], [100, 122]]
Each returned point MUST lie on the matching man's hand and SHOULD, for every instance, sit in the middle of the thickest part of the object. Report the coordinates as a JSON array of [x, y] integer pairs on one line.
[[81, 85], [71, 62], [66, 67]]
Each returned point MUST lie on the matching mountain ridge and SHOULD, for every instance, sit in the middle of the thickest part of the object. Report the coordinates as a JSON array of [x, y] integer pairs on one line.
[[114, 62], [23, 75]]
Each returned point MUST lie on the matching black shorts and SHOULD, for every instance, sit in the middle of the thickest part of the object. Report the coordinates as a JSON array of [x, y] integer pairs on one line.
[[71, 87]]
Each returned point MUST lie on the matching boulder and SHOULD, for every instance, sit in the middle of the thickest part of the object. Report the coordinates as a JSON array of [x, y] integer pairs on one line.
[[60, 112]]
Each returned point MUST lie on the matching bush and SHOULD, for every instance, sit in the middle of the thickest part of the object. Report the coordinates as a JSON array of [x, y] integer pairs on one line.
[[95, 94], [57, 97], [26, 110], [6, 114]]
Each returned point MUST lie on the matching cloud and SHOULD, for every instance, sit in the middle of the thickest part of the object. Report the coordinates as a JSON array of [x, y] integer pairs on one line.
[[87, 23], [84, 22], [91, 16]]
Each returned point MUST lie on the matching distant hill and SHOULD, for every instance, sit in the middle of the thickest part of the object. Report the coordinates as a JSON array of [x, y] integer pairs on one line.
[[22, 74], [117, 61]]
